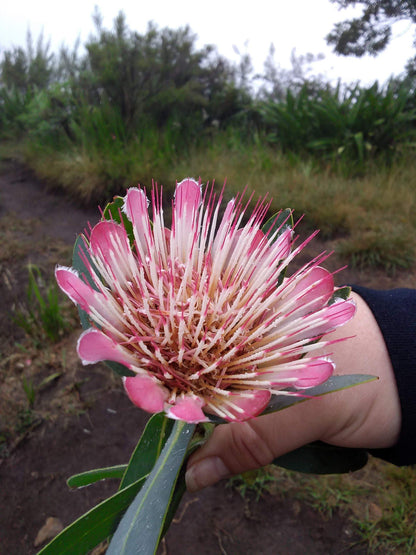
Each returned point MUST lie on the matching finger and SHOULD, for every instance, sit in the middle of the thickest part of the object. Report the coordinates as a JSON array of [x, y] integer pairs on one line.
[[238, 447]]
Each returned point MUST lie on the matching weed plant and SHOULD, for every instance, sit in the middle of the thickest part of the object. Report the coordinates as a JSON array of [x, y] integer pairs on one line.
[[346, 125], [40, 315]]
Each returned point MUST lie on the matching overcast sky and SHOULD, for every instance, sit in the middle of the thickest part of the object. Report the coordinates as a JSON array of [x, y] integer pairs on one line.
[[300, 24]]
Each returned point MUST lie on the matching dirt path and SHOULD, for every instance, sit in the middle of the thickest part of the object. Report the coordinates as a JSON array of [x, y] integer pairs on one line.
[[81, 419]]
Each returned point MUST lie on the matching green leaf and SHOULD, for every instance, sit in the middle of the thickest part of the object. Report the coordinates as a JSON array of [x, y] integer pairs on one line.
[[334, 383], [199, 437], [178, 493], [141, 527], [340, 294], [114, 211], [279, 222], [94, 526], [120, 369], [79, 256], [148, 448], [321, 458], [91, 476]]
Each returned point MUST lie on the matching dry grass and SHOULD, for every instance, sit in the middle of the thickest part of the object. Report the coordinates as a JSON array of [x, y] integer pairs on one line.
[[371, 217]]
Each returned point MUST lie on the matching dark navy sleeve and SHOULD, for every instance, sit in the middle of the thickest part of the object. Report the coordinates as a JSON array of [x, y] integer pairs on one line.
[[395, 312]]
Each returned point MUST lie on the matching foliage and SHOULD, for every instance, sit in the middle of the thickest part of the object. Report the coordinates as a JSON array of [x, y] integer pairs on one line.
[[395, 527], [13, 105], [158, 91], [157, 78], [255, 482], [40, 314], [30, 391], [351, 123], [371, 32], [137, 106], [277, 81], [375, 248], [30, 69]]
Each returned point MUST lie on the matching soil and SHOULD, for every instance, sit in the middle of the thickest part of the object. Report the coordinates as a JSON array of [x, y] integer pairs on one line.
[[80, 418]]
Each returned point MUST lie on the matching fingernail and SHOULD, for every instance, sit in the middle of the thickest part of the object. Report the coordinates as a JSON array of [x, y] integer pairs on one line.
[[205, 473]]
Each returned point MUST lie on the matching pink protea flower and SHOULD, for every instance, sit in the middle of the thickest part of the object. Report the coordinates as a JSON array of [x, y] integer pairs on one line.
[[198, 312]]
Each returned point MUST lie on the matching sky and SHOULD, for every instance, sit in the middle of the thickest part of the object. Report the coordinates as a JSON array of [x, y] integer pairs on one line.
[[293, 24]]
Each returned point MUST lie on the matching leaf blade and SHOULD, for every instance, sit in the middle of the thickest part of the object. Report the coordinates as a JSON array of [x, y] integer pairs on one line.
[[91, 476], [141, 527], [284, 401], [322, 458], [94, 526], [333, 384], [148, 448]]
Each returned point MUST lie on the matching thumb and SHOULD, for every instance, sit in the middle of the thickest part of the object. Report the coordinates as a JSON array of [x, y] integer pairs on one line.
[[237, 447]]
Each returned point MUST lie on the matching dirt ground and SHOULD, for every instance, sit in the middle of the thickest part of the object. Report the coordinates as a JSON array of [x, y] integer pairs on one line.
[[81, 419]]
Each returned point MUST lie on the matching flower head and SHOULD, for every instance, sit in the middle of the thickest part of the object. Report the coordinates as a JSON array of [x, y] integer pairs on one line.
[[200, 312]]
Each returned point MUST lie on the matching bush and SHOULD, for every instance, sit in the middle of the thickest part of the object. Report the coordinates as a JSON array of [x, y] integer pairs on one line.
[[352, 124]]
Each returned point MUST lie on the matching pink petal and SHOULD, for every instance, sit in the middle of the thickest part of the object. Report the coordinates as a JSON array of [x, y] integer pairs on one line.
[[282, 245], [109, 242], [255, 240], [187, 198], [252, 406], [338, 313], [185, 217], [252, 242], [189, 409], [314, 372], [327, 319], [72, 285], [276, 251], [85, 296], [312, 291], [146, 393], [224, 227], [94, 346], [135, 207], [317, 372]]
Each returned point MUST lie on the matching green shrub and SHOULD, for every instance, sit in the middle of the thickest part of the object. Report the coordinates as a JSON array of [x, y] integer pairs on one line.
[[353, 124]]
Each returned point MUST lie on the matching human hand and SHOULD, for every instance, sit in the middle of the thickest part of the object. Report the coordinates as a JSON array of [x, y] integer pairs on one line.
[[366, 416]]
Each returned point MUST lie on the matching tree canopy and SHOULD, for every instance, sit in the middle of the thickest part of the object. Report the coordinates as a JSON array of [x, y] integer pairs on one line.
[[371, 32]]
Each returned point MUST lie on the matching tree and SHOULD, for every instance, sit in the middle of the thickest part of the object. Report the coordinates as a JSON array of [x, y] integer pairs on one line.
[[371, 32], [158, 78], [276, 81], [28, 69]]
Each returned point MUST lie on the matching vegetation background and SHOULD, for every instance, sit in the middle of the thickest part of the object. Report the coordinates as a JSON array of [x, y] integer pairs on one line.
[[136, 107]]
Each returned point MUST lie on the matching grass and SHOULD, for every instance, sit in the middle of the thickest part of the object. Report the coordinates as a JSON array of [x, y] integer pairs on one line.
[[379, 500], [40, 314], [371, 216], [92, 175]]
